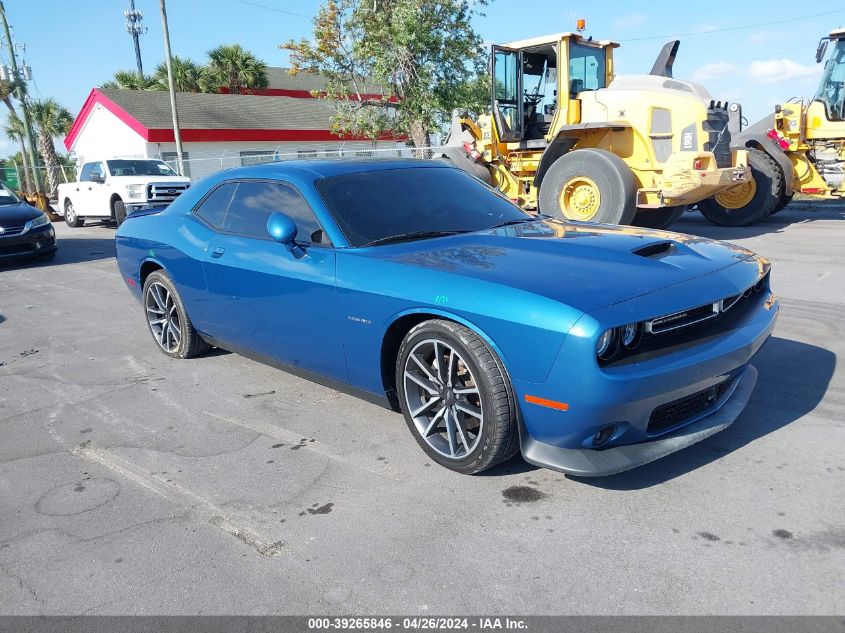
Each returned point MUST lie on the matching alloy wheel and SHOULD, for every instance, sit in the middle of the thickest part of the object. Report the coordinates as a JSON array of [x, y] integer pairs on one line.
[[443, 399], [163, 317]]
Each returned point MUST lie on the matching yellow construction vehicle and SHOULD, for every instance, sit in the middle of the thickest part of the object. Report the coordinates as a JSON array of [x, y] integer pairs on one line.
[[800, 148], [567, 139]]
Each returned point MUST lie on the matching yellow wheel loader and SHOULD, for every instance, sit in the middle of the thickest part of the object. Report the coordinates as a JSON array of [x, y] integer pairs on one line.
[[800, 148], [567, 139]]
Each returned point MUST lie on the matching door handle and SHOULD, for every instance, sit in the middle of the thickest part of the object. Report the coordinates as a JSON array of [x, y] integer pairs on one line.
[[89, 188], [77, 189], [217, 251]]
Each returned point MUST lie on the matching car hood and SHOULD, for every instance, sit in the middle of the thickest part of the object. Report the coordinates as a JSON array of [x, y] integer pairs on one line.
[[150, 179], [17, 214], [586, 266]]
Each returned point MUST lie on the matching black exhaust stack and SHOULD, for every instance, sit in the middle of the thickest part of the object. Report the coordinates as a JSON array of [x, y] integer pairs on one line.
[[663, 64]]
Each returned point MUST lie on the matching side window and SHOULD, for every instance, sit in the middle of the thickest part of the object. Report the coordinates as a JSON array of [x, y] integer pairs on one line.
[[97, 168], [255, 201], [86, 172], [213, 208]]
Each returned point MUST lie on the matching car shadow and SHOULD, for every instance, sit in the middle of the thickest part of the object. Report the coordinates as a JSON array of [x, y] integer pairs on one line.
[[72, 250], [793, 379], [797, 212]]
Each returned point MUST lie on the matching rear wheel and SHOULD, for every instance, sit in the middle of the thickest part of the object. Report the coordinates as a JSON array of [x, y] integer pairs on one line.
[[455, 397], [747, 202], [71, 219], [167, 319], [661, 218], [590, 185]]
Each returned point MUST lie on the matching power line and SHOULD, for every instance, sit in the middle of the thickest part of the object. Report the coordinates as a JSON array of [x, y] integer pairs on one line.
[[264, 6], [730, 28]]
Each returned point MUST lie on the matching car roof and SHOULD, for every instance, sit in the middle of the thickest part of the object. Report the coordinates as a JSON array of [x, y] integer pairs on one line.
[[316, 169]]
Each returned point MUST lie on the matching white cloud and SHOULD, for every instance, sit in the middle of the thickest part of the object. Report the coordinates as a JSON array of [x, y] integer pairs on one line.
[[714, 70], [772, 71], [628, 21]]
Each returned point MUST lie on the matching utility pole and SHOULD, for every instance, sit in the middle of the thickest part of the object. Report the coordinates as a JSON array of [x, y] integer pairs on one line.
[[172, 88], [21, 94], [135, 28]]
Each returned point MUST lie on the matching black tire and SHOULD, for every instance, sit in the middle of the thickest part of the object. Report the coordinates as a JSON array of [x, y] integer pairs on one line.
[[769, 181], [661, 218], [784, 200], [190, 342], [71, 218], [498, 437], [119, 211], [613, 178]]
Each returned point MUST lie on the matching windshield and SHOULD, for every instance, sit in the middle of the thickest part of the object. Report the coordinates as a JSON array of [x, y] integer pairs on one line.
[[7, 196], [832, 88], [375, 205], [139, 168]]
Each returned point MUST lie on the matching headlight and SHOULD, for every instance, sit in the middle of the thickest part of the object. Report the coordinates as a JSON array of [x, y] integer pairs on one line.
[[41, 220], [630, 335], [606, 345], [135, 191]]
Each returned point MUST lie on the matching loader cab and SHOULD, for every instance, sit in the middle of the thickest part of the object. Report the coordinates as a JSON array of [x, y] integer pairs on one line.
[[832, 87], [536, 83]]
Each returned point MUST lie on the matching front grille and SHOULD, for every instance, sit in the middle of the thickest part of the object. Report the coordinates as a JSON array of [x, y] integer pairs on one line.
[[718, 135], [681, 319], [11, 230], [165, 192], [678, 411]]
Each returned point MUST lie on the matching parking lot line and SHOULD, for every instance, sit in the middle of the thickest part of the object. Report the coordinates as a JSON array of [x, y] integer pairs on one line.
[[239, 527]]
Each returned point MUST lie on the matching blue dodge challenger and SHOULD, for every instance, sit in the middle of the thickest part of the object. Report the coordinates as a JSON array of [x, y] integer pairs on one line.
[[591, 349]]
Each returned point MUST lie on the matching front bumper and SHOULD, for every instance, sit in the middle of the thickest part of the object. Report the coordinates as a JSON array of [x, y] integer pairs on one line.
[[30, 243], [598, 463], [133, 207]]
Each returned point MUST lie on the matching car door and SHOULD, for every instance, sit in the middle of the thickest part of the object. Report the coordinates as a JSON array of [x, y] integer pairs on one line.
[[97, 194], [266, 298], [79, 195]]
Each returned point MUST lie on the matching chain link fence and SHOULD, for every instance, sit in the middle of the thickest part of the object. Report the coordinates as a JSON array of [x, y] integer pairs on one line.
[[199, 166]]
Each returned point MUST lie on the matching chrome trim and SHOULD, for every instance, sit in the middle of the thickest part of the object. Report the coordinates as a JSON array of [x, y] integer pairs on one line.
[[649, 325]]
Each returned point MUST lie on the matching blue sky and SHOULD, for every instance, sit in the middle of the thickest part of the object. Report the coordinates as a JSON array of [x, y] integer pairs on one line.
[[73, 46]]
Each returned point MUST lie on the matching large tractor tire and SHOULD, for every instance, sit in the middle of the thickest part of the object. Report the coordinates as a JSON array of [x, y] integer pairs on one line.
[[589, 185], [749, 202], [659, 218], [784, 200]]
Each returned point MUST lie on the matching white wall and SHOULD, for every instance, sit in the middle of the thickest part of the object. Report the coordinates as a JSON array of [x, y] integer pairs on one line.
[[103, 135]]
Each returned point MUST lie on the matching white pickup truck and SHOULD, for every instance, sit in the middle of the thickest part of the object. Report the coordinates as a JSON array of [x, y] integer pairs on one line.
[[116, 187]]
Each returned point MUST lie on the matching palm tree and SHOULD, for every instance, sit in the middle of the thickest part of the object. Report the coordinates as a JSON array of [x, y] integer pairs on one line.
[[16, 132], [232, 67], [15, 129], [51, 120], [129, 80], [186, 75]]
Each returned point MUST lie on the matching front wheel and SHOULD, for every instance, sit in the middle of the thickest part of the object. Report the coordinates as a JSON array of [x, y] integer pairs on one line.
[[661, 218], [589, 185], [119, 210], [167, 319], [455, 397], [71, 219]]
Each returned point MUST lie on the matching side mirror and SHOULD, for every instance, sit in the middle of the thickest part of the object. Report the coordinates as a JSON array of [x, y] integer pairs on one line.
[[95, 177], [822, 47], [282, 229]]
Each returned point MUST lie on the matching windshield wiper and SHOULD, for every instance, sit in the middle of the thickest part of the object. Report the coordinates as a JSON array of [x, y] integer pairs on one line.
[[519, 221], [414, 235]]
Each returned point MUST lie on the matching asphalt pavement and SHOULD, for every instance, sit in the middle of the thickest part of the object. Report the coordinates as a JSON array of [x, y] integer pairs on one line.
[[131, 483]]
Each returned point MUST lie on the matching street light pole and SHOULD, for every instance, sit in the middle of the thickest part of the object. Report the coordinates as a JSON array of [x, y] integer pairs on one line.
[[27, 121], [172, 87]]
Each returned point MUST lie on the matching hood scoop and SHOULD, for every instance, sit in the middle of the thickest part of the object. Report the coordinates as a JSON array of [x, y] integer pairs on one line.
[[655, 249]]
